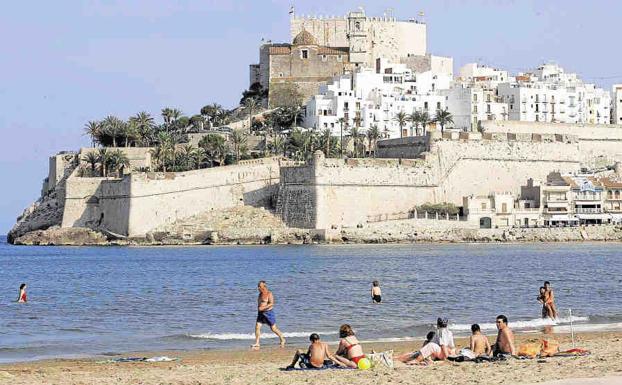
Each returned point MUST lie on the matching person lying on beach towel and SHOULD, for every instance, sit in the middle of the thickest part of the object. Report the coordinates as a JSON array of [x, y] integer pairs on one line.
[[318, 356], [429, 351]]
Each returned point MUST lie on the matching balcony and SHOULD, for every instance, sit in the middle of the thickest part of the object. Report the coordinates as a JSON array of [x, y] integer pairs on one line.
[[589, 210]]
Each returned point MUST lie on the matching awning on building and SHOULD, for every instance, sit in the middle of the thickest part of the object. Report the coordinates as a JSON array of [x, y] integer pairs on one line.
[[603, 217], [562, 218], [616, 217]]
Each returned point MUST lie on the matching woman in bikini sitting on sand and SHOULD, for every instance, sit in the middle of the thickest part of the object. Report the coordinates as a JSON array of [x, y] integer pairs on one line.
[[350, 351]]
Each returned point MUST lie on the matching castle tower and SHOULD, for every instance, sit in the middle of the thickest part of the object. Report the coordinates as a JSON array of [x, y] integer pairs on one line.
[[357, 36]]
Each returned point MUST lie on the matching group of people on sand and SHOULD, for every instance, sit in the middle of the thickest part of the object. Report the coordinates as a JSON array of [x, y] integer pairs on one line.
[[547, 299], [439, 344]]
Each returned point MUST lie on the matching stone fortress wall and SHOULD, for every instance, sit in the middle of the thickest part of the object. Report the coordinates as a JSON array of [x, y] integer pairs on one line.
[[330, 193], [140, 202], [327, 194]]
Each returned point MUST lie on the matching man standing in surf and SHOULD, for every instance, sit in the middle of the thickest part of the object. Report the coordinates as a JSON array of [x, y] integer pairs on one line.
[[265, 314]]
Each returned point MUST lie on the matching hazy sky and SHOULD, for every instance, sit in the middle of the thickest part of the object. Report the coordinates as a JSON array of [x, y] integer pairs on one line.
[[65, 62]]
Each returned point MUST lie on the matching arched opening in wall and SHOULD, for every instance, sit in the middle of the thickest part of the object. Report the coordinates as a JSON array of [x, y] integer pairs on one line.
[[485, 223]]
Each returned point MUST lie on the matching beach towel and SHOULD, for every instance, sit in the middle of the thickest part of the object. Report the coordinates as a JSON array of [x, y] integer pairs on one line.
[[138, 359], [576, 352], [325, 367]]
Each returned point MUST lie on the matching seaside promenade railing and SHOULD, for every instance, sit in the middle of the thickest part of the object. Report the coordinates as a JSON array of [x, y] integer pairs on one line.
[[414, 214]]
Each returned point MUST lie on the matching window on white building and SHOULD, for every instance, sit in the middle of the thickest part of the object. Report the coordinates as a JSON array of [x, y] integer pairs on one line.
[[304, 54]]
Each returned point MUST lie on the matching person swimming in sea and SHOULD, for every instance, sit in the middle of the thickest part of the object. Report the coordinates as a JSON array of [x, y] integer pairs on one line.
[[22, 293], [265, 314], [376, 293]]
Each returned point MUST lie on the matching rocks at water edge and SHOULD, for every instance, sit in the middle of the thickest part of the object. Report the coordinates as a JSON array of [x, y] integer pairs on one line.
[[60, 236]]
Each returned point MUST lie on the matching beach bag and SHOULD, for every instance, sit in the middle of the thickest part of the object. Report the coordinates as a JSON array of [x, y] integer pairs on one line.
[[549, 348], [530, 350], [381, 359]]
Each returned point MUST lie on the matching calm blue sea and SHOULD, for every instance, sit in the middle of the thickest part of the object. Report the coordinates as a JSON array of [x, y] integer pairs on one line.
[[100, 300]]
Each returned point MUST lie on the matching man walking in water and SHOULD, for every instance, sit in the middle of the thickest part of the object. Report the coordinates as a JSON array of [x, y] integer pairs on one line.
[[265, 314]]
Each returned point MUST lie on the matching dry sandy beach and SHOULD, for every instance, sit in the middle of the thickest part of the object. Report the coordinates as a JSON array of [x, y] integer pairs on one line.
[[248, 367]]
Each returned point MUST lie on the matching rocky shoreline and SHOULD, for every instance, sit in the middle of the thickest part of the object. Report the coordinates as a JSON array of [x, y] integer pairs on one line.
[[395, 234]]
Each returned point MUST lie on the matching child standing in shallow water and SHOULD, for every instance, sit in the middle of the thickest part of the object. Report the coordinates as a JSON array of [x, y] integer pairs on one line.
[[376, 293], [22, 293]]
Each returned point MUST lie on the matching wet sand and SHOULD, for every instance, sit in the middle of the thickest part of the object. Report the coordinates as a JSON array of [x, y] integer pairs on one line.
[[263, 367]]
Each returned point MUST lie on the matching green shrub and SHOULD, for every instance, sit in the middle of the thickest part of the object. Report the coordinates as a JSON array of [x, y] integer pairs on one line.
[[441, 208]]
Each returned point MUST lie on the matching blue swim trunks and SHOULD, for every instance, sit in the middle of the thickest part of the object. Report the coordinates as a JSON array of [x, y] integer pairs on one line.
[[266, 317]]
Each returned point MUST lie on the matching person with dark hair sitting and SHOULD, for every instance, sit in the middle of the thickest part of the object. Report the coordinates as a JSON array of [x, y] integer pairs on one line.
[[318, 355], [444, 338], [478, 342], [504, 346]]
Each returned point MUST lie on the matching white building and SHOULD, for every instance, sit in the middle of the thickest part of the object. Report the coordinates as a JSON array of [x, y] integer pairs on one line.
[[469, 104], [480, 74], [371, 97], [616, 104], [549, 94]]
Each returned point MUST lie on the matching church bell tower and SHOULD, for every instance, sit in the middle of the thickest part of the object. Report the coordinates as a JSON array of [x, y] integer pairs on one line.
[[357, 36]]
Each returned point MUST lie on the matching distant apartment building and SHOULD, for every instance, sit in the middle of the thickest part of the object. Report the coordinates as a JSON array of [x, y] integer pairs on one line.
[[561, 200], [374, 97], [549, 94], [616, 104]]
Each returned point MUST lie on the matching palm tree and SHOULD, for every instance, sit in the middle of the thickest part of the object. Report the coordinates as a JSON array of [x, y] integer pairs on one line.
[[325, 142], [117, 161], [278, 145], [175, 114], [250, 105], [93, 129], [145, 127], [113, 127], [424, 120], [103, 158], [443, 117], [239, 139], [355, 134], [164, 153], [197, 122], [341, 121], [130, 132], [372, 137], [402, 119], [166, 115], [215, 148], [92, 159]]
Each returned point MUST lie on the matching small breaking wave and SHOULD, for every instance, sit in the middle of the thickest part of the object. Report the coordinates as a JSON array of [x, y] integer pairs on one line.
[[533, 323], [250, 336]]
